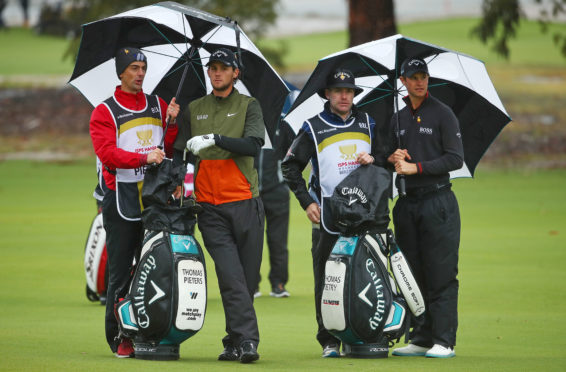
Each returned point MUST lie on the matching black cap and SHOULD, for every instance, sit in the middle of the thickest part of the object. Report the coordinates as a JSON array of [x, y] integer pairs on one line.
[[225, 56], [125, 56], [340, 78], [412, 65]]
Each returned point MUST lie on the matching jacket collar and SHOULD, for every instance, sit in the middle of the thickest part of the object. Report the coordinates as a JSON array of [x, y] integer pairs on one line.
[[130, 100], [330, 116], [408, 103]]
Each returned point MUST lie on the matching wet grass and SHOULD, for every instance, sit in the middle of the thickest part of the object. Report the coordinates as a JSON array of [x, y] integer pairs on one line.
[[511, 272]]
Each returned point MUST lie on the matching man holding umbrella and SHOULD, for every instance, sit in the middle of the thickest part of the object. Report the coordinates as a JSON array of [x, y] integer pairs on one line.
[[125, 130], [336, 141], [225, 130], [427, 219]]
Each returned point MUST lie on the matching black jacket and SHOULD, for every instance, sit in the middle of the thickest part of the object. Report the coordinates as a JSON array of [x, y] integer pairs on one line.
[[431, 135]]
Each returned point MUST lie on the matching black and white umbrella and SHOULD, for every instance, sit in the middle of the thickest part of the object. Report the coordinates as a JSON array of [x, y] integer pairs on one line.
[[458, 80], [177, 41]]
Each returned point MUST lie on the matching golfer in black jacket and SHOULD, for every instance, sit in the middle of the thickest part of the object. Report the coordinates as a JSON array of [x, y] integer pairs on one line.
[[427, 219]]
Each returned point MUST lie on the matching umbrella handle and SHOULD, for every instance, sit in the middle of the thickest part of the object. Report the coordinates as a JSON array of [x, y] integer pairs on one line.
[[402, 189], [160, 146]]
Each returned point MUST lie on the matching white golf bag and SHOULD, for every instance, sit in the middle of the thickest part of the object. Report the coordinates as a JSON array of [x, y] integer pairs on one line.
[[95, 258]]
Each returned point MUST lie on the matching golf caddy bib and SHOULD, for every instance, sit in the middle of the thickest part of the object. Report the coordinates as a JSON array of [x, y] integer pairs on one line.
[[139, 132], [337, 147], [360, 303], [166, 301]]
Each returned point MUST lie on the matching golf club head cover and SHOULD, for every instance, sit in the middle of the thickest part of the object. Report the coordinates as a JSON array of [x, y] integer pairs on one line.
[[404, 277]]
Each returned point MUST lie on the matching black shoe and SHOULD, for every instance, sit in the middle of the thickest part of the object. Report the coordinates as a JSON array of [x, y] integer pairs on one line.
[[279, 291], [230, 353], [248, 352]]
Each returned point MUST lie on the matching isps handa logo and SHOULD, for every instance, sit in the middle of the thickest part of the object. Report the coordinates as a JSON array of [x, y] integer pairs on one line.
[[348, 152], [145, 137]]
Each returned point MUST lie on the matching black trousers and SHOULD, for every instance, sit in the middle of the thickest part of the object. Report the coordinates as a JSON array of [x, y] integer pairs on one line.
[[323, 242], [276, 205], [123, 243], [233, 236], [427, 229]]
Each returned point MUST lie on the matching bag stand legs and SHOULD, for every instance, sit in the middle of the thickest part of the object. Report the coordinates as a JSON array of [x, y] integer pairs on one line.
[[156, 352], [366, 351]]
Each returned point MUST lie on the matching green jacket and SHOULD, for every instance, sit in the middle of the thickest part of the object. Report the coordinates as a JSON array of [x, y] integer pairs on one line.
[[222, 176]]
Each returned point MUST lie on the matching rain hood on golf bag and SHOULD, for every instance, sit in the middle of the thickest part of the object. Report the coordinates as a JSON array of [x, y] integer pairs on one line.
[[360, 201]]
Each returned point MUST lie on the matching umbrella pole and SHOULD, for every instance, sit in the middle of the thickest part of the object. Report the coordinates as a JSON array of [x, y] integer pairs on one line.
[[402, 190], [240, 61], [176, 95], [183, 183]]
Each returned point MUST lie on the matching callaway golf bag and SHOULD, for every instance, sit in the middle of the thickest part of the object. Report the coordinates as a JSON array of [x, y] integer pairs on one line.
[[165, 301], [368, 283]]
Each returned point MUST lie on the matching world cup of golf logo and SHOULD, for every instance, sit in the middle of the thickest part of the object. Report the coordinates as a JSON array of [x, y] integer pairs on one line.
[[348, 152], [144, 137]]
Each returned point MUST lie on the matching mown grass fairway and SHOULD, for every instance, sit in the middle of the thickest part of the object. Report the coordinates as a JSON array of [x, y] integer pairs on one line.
[[511, 282], [21, 48]]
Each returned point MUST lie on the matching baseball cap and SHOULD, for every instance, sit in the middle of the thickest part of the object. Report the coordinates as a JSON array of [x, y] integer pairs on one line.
[[340, 78], [412, 65], [224, 55], [125, 56]]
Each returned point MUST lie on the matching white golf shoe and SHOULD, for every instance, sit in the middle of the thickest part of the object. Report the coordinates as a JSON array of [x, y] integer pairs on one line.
[[439, 351], [331, 351], [411, 350]]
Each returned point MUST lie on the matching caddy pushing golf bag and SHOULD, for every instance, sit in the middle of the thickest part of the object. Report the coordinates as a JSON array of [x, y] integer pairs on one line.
[[362, 302], [165, 301]]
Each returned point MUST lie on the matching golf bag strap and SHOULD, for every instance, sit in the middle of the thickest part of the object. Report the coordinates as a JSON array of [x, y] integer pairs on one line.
[[407, 329]]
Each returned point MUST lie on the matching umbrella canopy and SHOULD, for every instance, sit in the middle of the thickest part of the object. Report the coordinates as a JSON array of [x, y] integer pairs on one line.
[[176, 39], [458, 80]]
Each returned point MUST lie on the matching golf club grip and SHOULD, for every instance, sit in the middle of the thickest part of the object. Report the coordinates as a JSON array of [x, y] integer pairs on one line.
[[402, 190]]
